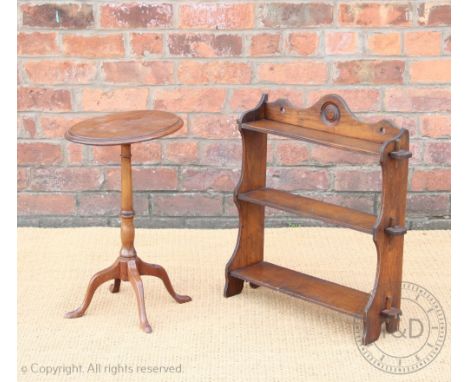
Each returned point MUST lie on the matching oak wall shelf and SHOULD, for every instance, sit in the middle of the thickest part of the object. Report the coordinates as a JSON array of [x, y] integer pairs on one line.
[[329, 122]]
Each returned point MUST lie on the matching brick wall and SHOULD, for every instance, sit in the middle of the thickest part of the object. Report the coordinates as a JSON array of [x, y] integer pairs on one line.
[[209, 61]]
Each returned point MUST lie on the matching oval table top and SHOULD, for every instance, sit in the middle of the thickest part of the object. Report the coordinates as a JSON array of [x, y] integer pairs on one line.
[[124, 128]]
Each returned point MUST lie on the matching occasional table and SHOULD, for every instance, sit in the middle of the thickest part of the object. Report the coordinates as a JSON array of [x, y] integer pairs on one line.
[[124, 129]]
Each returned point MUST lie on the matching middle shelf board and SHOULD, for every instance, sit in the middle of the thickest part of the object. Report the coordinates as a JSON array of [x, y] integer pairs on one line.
[[311, 135], [312, 208]]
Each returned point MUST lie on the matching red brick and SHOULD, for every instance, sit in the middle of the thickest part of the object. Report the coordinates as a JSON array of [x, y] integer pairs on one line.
[[303, 43], [187, 205], [74, 154], [221, 154], [362, 202], [433, 71], [434, 14], [341, 42], [209, 179], [287, 15], [65, 179], [181, 152], [384, 44], [374, 14], [145, 179], [20, 80], [291, 153], [428, 205], [37, 43], [431, 180], [133, 15], [414, 100], [22, 178], [39, 153], [99, 204], [435, 126], [26, 127], [39, 99], [94, 46], [244, 99], [107, 154], [357, 180], [68, 16], [114, 99], [46, 204], [448, 45], [297, 178], [437, 153], [108, 204], [422, 43], [327, 155], [204, 45], [217, 72], [293, 72], [265, 44], [216, 16], [214, 126], [190, 99], [60, 72], [139, 72], [145, 152], [55, 126], [364, 100], [147, 44], [369, 71], [230, 208], [416, 148]]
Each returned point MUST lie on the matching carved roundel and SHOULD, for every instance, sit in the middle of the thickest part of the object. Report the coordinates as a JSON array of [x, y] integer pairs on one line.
[[330, 113]]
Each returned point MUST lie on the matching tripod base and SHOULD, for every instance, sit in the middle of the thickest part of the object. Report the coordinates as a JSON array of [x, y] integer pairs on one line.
[[128, 269]]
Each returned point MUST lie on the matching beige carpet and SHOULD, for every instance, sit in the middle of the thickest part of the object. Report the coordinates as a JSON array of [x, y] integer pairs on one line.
[[259, 335]]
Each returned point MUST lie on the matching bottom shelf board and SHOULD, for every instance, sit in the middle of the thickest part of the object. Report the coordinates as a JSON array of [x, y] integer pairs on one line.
[[331, 295]]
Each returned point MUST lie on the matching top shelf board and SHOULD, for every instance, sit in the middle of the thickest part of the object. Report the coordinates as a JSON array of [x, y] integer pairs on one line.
[[307, 134]]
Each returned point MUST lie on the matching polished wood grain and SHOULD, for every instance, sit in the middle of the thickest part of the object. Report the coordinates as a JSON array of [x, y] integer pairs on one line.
[[344, 124], [329, 122], [317, 136], [249, 247], [311, 208], [128, 266], [331, 295], [124, 128], [386, 293]]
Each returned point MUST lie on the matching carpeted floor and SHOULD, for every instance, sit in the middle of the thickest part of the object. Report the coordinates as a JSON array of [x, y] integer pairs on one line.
[[257, 336]]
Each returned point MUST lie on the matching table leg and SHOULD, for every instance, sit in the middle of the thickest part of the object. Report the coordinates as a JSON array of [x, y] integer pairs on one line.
[[155, 270], [137, 284], [99, 278]]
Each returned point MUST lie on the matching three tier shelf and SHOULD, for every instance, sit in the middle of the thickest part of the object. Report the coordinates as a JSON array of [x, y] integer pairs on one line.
[[329, 122]]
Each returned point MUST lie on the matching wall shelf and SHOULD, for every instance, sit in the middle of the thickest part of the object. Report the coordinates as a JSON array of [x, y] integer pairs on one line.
[[329, 122]]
